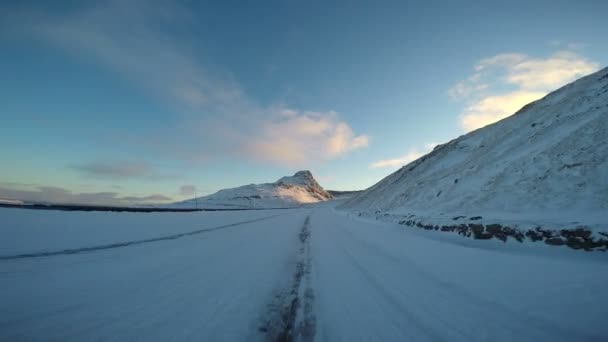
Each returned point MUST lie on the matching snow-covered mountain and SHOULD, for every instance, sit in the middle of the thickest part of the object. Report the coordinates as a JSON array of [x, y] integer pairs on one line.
[[546, 165], [290, 191]]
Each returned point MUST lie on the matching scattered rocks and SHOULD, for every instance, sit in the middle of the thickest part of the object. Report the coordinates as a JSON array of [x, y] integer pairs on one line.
[[574, 242], [579, 238], [556, 241], [475, 218], [494, 228], [533, 235], [476, 228], [501, 236], [483, 236], [545, 233], [578, 232]]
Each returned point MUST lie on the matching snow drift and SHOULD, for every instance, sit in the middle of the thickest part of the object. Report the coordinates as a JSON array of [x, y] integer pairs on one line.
[[288, 191], [545, 165]]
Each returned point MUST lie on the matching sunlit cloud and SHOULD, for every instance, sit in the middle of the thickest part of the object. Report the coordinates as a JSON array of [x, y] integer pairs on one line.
[[551, 73], [297, 138], [502, 84], [493, 108]]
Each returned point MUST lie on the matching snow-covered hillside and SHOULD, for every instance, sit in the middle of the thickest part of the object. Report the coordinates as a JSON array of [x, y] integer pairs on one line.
[[288, 191], [546, 165]]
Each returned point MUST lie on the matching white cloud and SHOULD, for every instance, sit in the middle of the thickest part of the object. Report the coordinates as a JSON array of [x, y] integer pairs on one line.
[[504, 59], [464, 89], [410, 156], [527, 77], [296, 138], [494, 108], [551, 73], [218, 119], [397, 162]]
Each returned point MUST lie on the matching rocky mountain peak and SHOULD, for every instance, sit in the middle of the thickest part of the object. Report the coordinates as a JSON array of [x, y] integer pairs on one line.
[[305, 179]]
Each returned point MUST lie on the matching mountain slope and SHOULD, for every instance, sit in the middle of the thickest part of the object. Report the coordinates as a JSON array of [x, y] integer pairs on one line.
[[288, 191], [545, 165]]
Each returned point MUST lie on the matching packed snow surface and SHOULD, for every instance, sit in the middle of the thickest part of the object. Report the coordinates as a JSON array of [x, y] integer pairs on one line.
[[291, 191], [308, 274], [545, 165]]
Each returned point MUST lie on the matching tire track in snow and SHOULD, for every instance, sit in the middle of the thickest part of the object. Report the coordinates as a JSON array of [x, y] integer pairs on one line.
[[290, 316], [129, 243], [383, 293]]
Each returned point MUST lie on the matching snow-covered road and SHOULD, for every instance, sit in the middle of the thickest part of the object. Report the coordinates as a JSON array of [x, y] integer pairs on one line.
[[259, 275]]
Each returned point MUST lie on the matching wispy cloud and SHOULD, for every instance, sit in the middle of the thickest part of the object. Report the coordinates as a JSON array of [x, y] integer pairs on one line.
[[397, 162], [114, 170], [187, 190], [49, 194], [526, 79], [410, 156], [133, 39], [218, 119], [143, 199]]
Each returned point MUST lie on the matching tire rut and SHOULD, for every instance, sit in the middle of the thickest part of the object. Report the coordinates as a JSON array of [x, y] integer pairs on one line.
[[290, 316], [445, 289]]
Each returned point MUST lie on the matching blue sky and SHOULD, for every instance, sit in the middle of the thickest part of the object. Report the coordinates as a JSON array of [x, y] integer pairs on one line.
[[141, 101]]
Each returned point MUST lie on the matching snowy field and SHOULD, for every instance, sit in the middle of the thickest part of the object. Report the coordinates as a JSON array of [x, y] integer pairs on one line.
[[302, 274], [35, 231]]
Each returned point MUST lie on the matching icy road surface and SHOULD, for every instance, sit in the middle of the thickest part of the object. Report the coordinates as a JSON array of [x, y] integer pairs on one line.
[[305, 274]]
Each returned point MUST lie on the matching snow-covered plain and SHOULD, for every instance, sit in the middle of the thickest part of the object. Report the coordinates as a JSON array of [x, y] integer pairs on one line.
[[236, 278], [35, 231]]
